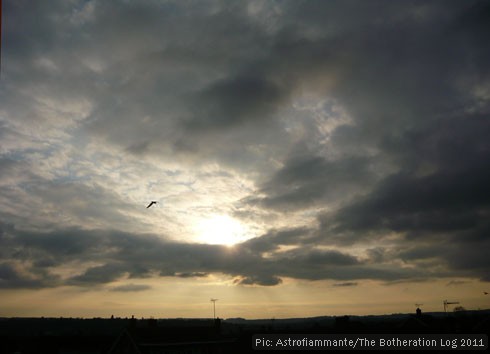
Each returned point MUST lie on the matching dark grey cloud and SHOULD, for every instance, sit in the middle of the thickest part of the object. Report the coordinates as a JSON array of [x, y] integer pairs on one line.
[[405, 203], [451, 197], [12, 277], [264, 280], [123, 255], [138, 148], [346, 284], [307, 181], [99, 275], [192, 275], [471, 258], [321, 257], [275, 238], [130, 288], [236, 100]]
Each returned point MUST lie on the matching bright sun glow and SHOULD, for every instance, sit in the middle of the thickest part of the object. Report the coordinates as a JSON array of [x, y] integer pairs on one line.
[[220, 230]]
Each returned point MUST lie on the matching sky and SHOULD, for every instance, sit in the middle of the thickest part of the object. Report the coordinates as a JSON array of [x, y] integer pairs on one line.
[[308, 158]]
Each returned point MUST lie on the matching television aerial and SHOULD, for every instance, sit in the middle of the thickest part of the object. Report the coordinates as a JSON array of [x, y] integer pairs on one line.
[[214, 307], [446, 303]]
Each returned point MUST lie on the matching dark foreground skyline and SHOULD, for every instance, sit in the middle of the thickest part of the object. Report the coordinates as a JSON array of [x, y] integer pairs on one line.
[[306, 157], [99, 335]]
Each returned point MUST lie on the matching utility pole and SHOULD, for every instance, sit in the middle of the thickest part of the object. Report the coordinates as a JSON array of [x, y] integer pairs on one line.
[[214, 307]]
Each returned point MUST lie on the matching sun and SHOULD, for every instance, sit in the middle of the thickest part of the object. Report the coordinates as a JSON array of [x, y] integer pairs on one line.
[[220, 230]]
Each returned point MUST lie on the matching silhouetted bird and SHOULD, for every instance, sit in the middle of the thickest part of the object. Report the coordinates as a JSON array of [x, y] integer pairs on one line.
[[152, 202], [485, 293]]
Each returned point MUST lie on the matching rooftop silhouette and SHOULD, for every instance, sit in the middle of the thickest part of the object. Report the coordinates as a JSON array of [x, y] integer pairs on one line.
[[233, 335]]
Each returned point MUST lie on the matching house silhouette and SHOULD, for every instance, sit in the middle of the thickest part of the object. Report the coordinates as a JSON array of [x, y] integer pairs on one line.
[[148, 336]]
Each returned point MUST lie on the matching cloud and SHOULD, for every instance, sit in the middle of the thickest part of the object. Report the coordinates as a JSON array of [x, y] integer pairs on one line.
[[321, 257], [13, 276], [456, 283], [275, 238], [311, 180], [234, 101], [346, 284], [98, 275], [123, 255], [265, 280], [192, 275], [130, 288]]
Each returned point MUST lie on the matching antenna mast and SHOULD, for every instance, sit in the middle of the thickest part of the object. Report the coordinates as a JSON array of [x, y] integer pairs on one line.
[[214, 307], [445, 302]]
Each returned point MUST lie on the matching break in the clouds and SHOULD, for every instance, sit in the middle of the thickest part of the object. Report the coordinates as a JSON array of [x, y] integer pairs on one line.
[[324, 140]]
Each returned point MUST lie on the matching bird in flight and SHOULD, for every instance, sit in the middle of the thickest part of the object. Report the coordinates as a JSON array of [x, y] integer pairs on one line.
[[485, 293], [152, 202]]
